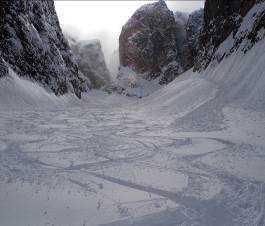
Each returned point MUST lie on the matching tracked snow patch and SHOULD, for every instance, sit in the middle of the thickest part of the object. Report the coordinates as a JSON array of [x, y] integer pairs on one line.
[[191, 153]]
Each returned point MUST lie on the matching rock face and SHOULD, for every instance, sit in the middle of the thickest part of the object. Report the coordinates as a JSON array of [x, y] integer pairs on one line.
[[193, 31], [91, 62], [187, 34], [181, 20], [33, 45], [154, 46], [147, 43], [222, 19]]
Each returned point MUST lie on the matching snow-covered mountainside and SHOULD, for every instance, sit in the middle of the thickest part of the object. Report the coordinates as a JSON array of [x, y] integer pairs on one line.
[[147, 43], [224, 19], [181, 20], [91, 61], [193, 31], [190, 154], [32, 44], [187, 34], [198, 38], [156, 46]]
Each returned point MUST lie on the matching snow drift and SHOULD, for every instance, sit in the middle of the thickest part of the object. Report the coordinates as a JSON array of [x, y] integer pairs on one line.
[[19, 93]]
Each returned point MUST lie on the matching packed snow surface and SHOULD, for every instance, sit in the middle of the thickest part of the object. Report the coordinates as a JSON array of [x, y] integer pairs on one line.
[[190, 154]]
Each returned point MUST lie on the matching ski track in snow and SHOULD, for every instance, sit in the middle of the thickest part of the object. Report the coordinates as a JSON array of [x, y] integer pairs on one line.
[[190, 154], [129, 170]]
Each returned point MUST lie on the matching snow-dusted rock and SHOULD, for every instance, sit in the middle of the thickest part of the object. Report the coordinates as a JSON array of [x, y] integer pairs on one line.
[[158, 45], [193, 30], [135, 84], [33, 45], [250, 31], [91, 61], [226, 18], [3, 67], [147, 43], [181, 20]]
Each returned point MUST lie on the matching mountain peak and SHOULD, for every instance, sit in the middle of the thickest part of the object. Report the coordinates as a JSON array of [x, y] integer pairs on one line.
[[162, 3]]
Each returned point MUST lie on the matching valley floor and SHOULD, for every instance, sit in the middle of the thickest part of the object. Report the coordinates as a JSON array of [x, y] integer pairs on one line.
[[109, 162]]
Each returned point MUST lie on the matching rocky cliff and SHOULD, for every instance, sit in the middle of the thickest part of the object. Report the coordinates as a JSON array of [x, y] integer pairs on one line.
[[181, 20], [91, 61], [147, 43], [193, 31], [223, 19], [187, 34], [33, 45], [156, 44]]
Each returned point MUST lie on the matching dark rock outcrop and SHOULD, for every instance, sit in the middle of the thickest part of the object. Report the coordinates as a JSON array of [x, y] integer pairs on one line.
[[33, 45], [187, 34], [181, 20], [193, 31], [151, 46], [222, 19], [147, 43], [91, 61]]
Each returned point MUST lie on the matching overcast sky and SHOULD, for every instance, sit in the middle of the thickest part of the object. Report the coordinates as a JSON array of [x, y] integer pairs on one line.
[[104, 19]]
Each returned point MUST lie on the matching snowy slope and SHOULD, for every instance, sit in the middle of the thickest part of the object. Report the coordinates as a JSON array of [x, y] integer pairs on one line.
[[190, 154], [232, 78], [133, 84], [238, 79], [19, 93], [33, 45]]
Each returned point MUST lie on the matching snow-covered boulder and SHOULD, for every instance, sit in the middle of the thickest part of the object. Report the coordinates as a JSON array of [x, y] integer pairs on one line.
[[91, 61], [147, 43], [33, 45]]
